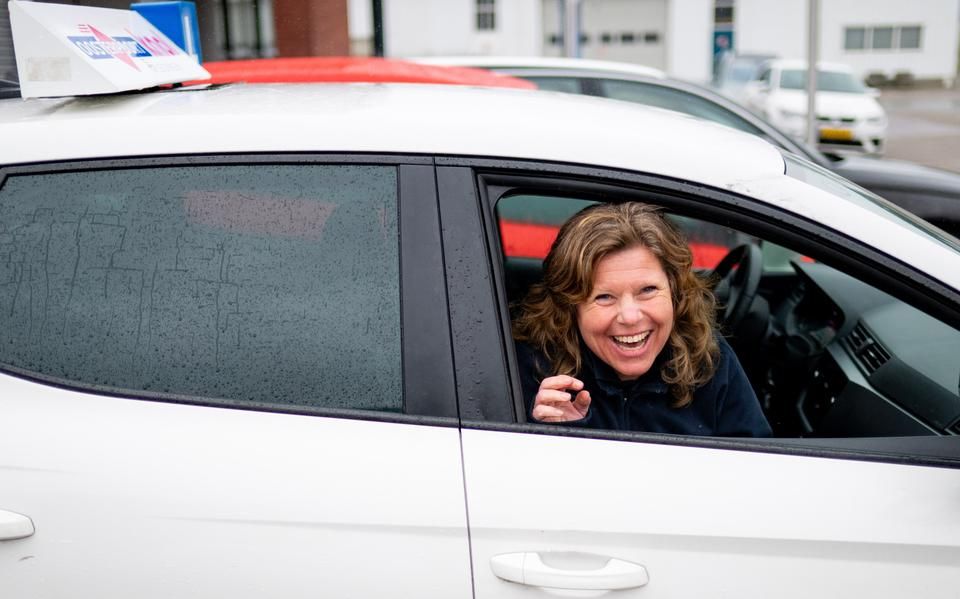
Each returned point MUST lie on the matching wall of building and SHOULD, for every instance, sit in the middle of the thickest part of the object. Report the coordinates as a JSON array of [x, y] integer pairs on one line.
[[937, 56], [449, 27], [360, 27], [631, 31], [690, 39], [674, 35], [781, 27], [311, 28]]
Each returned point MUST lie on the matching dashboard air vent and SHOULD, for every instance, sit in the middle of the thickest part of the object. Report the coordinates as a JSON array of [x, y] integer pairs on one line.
[[867, 350]]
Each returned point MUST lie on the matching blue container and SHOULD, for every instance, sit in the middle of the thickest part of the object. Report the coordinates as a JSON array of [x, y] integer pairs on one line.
[[177, 20]]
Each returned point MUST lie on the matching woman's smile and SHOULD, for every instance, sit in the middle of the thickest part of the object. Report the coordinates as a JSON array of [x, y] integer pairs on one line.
[[631, 342]]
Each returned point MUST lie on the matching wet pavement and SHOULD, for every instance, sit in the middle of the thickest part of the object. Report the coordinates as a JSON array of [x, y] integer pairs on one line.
[[924, 126]]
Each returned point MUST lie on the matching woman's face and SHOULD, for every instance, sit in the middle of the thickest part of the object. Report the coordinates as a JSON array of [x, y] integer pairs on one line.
[[628, 316]]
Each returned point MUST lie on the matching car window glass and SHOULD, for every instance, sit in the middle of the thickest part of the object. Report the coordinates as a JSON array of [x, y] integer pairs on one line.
[[570, 85], [826, 354], [528, 225], [672, 99], [272, 284], [828, 81], [828, 181]]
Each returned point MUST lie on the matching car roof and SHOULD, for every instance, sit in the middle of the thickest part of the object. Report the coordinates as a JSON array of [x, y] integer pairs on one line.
[[354, 69], [537, 62], [384, 118], [599, 69]]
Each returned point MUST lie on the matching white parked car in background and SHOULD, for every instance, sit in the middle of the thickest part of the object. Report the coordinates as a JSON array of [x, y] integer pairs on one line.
[[848, 114]]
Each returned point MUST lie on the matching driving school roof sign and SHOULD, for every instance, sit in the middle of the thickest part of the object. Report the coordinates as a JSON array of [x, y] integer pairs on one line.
[[79, 50]]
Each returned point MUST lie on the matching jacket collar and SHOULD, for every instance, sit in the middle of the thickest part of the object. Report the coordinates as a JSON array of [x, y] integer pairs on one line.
[[610, 383]]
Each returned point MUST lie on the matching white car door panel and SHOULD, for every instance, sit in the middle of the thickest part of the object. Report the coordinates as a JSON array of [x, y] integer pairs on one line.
[[188, 501], [703, 522]]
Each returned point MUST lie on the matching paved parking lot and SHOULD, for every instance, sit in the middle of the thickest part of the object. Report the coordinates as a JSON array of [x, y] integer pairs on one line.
[[924, 126]]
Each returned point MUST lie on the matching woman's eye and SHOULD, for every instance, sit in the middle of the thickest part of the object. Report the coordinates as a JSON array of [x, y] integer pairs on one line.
[[648, 290], [603, 298]]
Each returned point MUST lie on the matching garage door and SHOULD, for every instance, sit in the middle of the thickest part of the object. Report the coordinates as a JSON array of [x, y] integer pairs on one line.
[[619, 30]]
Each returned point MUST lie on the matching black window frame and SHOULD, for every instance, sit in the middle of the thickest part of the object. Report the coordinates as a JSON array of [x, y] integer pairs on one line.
[[494, 401], [426, 362]]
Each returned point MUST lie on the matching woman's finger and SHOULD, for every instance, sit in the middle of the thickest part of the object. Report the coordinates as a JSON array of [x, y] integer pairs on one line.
[[561, 381], [545, 413], [553, 397], [582, 402]]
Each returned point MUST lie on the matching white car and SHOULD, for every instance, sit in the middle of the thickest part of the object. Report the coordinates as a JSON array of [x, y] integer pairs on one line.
[[254, 342], [848, 114]]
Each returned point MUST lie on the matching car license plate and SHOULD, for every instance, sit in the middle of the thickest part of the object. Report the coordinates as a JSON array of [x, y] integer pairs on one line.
[[834, 134]]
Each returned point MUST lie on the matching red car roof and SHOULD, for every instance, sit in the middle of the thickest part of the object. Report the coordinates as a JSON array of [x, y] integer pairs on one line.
[[352, 69]]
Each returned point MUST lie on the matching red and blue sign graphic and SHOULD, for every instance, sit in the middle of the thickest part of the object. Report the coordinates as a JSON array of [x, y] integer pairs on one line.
[[99, 46]]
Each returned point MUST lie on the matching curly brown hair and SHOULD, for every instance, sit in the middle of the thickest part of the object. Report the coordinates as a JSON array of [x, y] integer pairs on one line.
[[547, 316]]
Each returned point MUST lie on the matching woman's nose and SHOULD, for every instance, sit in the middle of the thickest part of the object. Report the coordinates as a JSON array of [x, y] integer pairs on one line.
[[629, 312]]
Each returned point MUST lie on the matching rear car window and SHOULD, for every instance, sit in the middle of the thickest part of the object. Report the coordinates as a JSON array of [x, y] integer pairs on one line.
[[272, 284], [676, 100]]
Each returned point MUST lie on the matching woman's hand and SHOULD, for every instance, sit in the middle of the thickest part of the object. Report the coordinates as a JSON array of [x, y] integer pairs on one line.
[[553, 402]]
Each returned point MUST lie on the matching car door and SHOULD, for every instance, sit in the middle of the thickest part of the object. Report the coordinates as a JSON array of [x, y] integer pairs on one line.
[[215, 383], [560, 511]]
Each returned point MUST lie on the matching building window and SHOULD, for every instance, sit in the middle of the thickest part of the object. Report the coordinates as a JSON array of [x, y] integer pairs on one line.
[[882, 38], [855, 38], [486, 15], [606, 38], [627, 37], [910, 37], [555, 39], [723, 15], [651, 37]]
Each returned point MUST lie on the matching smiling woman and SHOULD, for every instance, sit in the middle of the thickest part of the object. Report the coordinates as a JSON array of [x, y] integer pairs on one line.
[[621, 333]]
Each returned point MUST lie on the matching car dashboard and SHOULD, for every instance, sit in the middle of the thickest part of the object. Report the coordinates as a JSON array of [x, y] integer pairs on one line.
[[847, 360]]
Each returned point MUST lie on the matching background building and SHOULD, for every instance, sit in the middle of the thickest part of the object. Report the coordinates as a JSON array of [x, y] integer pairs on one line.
[[673, 35], [887, 37], [682, 37]]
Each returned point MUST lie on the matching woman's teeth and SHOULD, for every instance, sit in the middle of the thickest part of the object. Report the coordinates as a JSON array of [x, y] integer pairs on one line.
[[631, 339]]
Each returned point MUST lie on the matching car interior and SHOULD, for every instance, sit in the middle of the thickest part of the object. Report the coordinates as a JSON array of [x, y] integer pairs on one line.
[[828, 355]]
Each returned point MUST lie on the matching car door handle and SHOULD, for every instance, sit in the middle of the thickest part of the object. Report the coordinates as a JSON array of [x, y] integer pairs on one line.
[[592, 573], [14, 526]]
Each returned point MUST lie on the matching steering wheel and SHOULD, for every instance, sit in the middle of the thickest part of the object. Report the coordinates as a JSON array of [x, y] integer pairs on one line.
[[736, 287]]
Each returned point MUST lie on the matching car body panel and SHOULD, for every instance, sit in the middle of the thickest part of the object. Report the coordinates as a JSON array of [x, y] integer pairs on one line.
[[194, 501], [745, 524], [318, 118]]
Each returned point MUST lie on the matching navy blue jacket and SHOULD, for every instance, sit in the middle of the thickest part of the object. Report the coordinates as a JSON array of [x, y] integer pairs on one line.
[[725, 406]]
